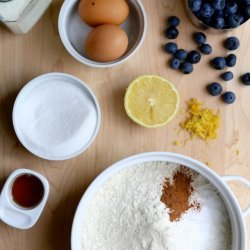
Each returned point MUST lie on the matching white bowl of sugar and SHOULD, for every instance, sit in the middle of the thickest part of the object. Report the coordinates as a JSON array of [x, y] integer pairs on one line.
[[160, 201], [56, 116]]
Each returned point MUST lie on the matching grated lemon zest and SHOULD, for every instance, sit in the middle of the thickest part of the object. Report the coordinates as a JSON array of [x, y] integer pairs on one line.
[[201, 121]]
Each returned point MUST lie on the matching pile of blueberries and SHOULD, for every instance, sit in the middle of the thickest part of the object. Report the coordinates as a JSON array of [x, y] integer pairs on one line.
[[184, 60], [220, 63], [221, 14]]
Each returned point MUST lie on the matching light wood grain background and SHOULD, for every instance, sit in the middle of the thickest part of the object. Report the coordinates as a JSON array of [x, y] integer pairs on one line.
[[25, 57]]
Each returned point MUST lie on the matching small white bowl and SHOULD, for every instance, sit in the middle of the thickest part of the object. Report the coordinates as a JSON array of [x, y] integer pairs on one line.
[[12, 214], [26, 104], [73, 32]]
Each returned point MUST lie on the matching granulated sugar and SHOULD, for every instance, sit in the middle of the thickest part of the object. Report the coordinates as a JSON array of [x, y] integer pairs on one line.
[[57, 118], [126, 214]]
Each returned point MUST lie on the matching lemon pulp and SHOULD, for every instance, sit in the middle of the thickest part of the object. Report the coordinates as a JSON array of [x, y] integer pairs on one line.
[[151, 101]]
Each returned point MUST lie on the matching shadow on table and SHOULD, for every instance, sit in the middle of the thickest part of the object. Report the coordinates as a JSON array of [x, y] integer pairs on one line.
[[6, 125], [59, 228]]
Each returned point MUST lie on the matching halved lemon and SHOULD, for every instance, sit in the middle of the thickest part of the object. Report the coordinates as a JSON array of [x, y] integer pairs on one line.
[[151, 101]]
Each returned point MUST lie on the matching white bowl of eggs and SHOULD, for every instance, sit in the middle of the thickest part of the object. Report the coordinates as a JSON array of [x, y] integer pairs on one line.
[[101, 33]]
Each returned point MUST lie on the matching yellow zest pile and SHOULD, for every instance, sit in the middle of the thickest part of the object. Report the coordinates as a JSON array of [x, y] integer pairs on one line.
[[201, 121]]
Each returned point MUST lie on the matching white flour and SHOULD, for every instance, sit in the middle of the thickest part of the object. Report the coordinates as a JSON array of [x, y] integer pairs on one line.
[[12, 10], [57, 118], [127, 214]]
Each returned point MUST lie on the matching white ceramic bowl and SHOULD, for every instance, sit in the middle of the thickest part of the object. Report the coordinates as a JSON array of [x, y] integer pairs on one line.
[[73, 32], [25, 102], [14, 215], [239, 237]]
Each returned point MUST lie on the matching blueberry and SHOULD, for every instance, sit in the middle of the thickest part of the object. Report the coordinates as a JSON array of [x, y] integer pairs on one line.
[[231, 60], [228, 97], [193, 57], [175, 63], [231, 7], [215, 89], [233, 21], [246, 79], [218, 22], [173, 21], [171, 32], [219, 13], [207, 10], [170, 47], [197, 14], [219, 63], [181, 54], [232, 43], [206, 49], [227, 76], [246, 2], [194, 5], [186, 67], [206, 20], [219, 4], [247, 11], [200, 38]]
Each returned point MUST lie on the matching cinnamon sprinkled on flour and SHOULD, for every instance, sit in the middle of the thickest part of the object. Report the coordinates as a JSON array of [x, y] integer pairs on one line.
[[176, 194]]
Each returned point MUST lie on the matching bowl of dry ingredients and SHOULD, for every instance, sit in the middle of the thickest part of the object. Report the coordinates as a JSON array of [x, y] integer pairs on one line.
[[159, 201]]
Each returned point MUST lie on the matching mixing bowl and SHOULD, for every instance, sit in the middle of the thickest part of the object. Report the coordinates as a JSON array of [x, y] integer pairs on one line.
[[239, 236]]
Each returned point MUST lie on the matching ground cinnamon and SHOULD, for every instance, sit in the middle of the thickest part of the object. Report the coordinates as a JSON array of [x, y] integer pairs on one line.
[[176, 193]]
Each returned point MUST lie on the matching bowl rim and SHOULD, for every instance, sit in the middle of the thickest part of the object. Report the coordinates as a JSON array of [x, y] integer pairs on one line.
[[37, 80], [233, 207], [67, 5]]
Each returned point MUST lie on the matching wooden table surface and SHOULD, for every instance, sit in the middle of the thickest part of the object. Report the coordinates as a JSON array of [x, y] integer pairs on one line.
[[41, 51]]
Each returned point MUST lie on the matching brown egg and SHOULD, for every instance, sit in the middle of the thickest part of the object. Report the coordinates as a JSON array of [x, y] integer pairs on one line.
[[97, 12], [106, 43]]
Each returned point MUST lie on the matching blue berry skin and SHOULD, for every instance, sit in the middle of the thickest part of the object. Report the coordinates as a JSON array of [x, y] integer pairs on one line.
[[231, 60], [227, 76], [175, 63], [206, 20], [181, 54], [219, 13], [246, 2], [247, 11], [187, 67], [171, 33], [218, 22], [246, 79], [232, 43], [170, 47], [219, 63], [219, 4], [231, 7], [194, 5], [206, 49], [215, 89], [228, 97], [233, 21], [173, 21], [207, 10], [193, 57], [197, 14], [200, 38]]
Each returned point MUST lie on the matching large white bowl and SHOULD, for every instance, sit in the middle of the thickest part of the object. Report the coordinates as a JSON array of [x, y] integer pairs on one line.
[[234, 210], [73, 32]]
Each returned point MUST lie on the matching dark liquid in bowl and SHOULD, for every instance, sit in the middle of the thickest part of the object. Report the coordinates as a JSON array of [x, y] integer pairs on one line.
[[27, 190]]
